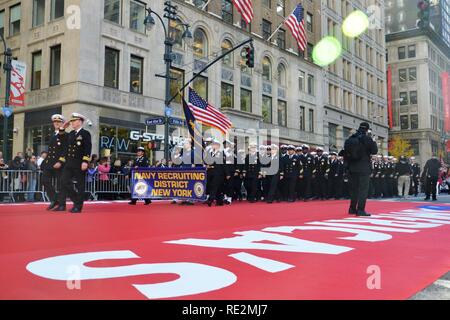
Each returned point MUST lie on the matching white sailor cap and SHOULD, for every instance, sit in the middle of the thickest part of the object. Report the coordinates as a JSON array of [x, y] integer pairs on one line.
[[319, 149], [77, 116], [291, 147], [273, 146], [305, 146], [209, 139], [140, 149], [215, 141], [412, 158], [252, 145], [57, 117], [283, 146], [298, 149], [391, 158]]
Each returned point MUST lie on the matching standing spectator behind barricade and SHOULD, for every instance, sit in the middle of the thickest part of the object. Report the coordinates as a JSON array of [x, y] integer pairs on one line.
[[140, 162], [103, 175], [403, 171], [32, 168], [117, 178], [3, 178], [94, 159], [17, 184], [127, 168]]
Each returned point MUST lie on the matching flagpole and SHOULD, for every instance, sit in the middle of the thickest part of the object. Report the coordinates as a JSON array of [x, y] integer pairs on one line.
[[206, 4], [281, 24]]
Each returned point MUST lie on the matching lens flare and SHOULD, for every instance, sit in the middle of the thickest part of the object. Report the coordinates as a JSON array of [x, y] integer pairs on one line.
[[355, 24], [326, 51]]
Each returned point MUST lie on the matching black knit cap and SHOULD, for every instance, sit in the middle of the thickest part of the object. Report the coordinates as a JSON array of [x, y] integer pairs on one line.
[[364, 126]]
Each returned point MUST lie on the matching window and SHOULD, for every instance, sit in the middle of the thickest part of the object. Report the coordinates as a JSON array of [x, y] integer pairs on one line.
[[267, 109], [309, 22], [200, 86], [136, 74], [404, 97], [412, 74], [246, 100], [227, 96], [311, 87], [2, 22], [412, 51], [415, 146], [310, 51], [55, 65], [246, 26], [176, 85], [413, 97], [401, 53], [38, 12], [176, 31], [281, 75], [302, 119], [281, 39], [228, 59], [266, 29], [112, 10], [14, 20], [57, 9], [347, 132], [227, 11], [282, 113], [266, 3], [200, 46], [137, 16], [402, 75], [281, 6], [414, 121], [199, 3], [404, 122], [434, 148], [112, 68], [332, 137], [267, 69], [301, 82], [311, 120], [36, 70]]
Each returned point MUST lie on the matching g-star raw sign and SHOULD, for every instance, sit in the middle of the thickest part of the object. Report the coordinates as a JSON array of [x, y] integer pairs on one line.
[[147, 137], [280, 242]]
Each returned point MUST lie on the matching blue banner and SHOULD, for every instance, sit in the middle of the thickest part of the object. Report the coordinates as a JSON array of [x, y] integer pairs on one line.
[[169, 183]]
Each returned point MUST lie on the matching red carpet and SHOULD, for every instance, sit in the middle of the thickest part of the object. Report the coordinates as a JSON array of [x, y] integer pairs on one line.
[[403, 264]]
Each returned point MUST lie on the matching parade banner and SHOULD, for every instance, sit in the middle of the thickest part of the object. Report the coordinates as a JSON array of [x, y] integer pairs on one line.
[[169, 183], [446, 96], [18, 74]]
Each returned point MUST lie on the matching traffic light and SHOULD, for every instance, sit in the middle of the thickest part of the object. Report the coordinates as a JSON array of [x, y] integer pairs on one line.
[[250, 56], [424, 13]]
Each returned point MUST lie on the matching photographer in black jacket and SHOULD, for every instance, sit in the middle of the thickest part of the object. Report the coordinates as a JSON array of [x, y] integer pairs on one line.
[[357, 154]]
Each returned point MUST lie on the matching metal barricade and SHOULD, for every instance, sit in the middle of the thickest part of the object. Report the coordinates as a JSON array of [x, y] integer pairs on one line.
[[21, 185]]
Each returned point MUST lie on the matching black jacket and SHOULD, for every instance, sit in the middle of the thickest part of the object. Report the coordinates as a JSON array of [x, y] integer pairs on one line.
[[403, 168], [363, 165], [431, 169], [56, 148], [79, 147]]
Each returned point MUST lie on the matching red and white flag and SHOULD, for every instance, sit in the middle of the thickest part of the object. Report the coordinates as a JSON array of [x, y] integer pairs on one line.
[[296, 23], [245, 7]]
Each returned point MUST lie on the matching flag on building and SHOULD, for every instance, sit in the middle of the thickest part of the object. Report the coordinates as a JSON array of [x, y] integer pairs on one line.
[[206, 114], [245, 7], [296, 23]]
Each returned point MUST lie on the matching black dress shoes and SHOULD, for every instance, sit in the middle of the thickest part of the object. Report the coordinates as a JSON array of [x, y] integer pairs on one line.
[[147, 202], [59, 209], [52, 205], [75, 210], [352, 211], [363, 214]]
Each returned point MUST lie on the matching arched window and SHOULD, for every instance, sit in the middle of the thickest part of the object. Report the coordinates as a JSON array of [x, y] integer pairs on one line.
[[281, 75], [228, 59], [176, 31], [267, 69], [200, 44]]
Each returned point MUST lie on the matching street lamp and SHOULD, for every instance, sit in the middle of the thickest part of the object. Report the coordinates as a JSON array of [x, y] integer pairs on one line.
[[7, 69], [171, 15]]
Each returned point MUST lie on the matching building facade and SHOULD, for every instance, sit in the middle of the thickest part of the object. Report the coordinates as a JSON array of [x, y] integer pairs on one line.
[[354, 86], [418, 59], [97, 58]]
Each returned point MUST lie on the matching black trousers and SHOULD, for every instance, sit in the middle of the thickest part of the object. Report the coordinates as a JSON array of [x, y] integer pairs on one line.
[[305, 187], [216, 188], [414, 186], [272, 186], [335, 185], [291, 183], [228, 186], [359, 189], [322, 186], [430, 187], [51, 179], [237, 187], [72, 186], [251, 185]]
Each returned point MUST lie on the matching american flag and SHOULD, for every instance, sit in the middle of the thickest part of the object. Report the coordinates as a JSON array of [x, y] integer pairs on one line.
[[245, 7], [207, 114], [296, 23]]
